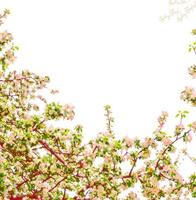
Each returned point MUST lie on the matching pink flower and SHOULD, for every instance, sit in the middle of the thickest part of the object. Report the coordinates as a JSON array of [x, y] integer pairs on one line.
[[192, 71], [179, 177], [100, 189], [179, 129], [189, 137], [167, 141], [128, 141], [194, 126]]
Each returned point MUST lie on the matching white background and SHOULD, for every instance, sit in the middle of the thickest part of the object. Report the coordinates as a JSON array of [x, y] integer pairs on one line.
[[107, 52]]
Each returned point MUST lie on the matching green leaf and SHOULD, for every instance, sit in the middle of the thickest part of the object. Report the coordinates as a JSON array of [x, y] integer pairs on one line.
[[194, 194], [30, 186], [118, 144], [129, 183]]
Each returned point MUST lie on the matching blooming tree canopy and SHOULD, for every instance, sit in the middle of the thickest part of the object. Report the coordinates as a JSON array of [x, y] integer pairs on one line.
[[40, 161]]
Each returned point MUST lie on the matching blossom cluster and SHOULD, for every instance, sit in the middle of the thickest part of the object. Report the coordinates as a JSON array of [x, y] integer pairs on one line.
[[179, 9], [189, 93], [7, 48], [192, 71]]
